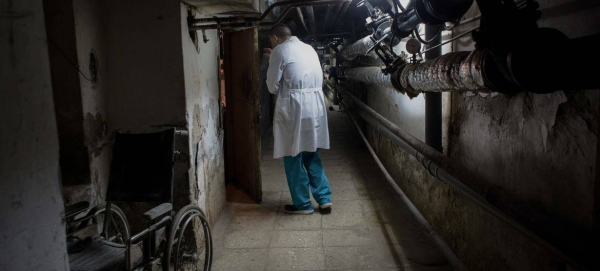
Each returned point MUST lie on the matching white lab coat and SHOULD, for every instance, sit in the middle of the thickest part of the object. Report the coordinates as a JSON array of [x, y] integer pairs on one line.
[[300, 121]]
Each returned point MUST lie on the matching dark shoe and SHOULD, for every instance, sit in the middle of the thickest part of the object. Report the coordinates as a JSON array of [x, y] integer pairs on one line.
[[291, 209]]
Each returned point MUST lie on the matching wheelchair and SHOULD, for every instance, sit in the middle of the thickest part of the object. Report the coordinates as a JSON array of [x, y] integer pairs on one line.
[[141, 170]]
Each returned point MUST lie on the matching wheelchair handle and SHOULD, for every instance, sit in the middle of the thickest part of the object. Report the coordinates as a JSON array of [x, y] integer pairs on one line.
[[181, 132]]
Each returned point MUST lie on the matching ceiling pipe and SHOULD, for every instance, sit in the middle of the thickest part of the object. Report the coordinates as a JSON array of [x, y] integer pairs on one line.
[[341, 14], [460, 178], [289, 5], [310, 18], [334, 14], [300, 19], [328, 15]]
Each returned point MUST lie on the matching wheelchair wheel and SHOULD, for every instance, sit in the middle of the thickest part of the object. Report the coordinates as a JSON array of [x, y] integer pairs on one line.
[[118, 229], [190, 243]]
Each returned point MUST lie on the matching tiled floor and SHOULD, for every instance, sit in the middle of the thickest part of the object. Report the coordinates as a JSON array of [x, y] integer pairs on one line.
[[368, 228]]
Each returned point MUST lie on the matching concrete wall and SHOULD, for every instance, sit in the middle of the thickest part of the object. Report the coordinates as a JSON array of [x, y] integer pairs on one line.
[[201, 76], [31, 231], [145, 86], [91, 37], [538, 148]]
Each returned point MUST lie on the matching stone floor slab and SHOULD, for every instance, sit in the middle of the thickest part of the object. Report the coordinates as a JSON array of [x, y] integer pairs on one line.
[[252, 222], [298, 222], [308, 238], [296, 259], [363, 236], [247, 239], [359, 257], [342, 220], [241, 259]]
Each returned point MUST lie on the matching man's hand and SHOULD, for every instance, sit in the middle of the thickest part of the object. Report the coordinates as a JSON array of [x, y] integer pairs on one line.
[[267, 53]]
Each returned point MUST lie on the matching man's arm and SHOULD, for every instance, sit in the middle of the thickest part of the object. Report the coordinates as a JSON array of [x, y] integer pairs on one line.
[[275, 71]]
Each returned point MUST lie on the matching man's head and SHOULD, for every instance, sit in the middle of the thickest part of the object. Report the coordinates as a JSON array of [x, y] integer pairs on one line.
[[279, 33]]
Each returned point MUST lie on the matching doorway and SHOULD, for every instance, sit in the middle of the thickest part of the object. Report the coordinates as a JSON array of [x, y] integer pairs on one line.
[[242, 112]]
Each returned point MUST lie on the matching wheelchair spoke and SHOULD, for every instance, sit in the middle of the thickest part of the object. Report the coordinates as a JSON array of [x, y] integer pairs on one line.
[[191, 241], [118, 229]]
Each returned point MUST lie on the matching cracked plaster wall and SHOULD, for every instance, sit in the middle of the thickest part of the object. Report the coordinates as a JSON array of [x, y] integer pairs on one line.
[[206, 172], [539, 148], [31, 231]]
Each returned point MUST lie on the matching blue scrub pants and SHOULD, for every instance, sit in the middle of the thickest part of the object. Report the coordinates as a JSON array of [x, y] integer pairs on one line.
[[305, 171]]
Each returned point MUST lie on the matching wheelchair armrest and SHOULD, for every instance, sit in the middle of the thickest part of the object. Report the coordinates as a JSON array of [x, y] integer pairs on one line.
[[73, 210], [158, 211]]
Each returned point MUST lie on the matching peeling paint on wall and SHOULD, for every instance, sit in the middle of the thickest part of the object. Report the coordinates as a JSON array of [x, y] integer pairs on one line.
[[207, 179]]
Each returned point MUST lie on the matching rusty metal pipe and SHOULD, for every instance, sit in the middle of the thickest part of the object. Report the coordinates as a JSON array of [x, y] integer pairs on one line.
[[459, 71]]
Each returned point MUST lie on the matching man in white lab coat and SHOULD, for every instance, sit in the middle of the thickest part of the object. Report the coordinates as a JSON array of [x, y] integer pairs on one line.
[[300, 121]]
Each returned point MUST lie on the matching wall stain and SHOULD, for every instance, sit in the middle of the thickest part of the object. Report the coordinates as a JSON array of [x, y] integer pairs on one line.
[[97, 131]]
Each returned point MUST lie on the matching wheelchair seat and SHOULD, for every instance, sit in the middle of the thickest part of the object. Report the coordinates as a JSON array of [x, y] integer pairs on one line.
[[101, 255]]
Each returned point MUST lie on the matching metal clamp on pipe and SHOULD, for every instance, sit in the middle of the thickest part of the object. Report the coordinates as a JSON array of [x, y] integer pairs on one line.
[[382, 40]]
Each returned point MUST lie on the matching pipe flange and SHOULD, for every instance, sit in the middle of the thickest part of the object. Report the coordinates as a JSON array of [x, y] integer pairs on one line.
[[395, 78], [405, 81], [477, 68]]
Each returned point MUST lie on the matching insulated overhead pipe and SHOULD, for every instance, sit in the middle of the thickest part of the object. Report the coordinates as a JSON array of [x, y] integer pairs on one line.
[[458, 71], [358, 48], [367, 75]]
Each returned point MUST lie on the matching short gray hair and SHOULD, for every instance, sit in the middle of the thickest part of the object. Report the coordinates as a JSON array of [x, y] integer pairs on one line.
[[281, 31]]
